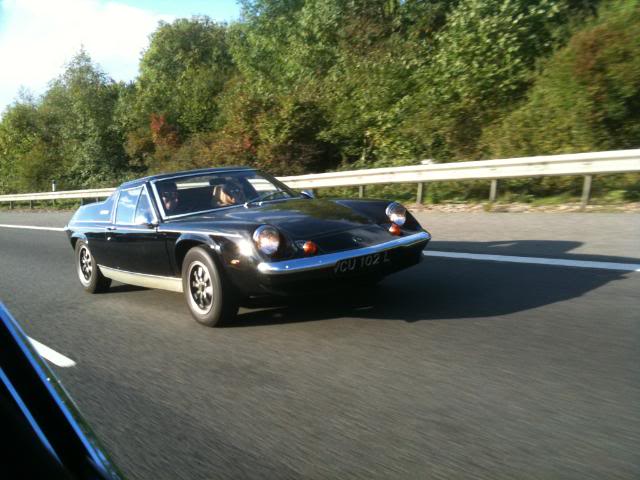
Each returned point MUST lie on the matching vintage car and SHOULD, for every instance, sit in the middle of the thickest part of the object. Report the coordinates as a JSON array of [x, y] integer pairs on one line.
[[221, 235]]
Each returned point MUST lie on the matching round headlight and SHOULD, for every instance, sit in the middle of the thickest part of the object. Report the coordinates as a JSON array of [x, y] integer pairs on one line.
[[267, 239], [396, 213]]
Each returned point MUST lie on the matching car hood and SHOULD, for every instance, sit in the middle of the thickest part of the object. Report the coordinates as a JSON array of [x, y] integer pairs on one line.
[[299, 218]]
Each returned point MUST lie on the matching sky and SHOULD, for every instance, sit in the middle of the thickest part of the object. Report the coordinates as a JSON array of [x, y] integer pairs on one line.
[[38, 37]]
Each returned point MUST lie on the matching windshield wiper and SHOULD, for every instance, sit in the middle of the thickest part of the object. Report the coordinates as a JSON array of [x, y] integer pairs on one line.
[[262, 197]]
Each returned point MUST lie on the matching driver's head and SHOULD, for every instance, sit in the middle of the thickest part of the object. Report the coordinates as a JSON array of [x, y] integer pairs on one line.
[[232, 193], [169, 195]]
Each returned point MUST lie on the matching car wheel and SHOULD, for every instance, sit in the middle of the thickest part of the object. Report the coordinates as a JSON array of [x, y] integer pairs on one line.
[[209, 297], [88, 271]]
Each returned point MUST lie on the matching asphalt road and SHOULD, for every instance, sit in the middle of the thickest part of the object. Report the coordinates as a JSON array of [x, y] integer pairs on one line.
[[452, 369]]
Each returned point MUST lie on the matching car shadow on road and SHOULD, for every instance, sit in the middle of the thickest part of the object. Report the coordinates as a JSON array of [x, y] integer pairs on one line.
[[124, 288], [446, 288]]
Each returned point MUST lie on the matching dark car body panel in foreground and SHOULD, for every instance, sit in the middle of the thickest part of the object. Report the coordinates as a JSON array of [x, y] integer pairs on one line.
[[43, 434], [151, 254]]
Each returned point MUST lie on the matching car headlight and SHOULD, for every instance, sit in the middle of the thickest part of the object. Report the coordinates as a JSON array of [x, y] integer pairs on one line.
[[396, 213], [267, 239]]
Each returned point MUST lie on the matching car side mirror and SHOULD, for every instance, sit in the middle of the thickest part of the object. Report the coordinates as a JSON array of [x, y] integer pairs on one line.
[[307, 193]]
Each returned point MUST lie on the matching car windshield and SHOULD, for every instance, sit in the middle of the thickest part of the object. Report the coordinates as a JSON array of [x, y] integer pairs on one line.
[[199, 193]]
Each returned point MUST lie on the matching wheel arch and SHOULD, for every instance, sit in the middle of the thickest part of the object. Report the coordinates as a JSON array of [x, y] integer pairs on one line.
[[188, 241], [75, 236]]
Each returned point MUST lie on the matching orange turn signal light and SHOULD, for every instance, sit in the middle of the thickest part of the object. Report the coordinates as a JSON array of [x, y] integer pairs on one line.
[[395, 230], [310, 248]]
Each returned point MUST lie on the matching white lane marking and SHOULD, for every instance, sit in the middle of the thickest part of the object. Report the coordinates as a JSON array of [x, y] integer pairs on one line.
[[562, 262], [51, 355], [625, 267], [31, 227]]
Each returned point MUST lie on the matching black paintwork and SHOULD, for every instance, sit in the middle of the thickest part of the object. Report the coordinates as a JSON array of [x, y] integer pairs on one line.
[[43, 434], [159, 249]]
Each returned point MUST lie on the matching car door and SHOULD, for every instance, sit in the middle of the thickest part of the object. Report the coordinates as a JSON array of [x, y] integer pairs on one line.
[[133, 238]]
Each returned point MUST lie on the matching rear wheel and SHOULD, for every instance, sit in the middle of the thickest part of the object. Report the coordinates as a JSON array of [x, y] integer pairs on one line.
[[89, 273], [211, 300]]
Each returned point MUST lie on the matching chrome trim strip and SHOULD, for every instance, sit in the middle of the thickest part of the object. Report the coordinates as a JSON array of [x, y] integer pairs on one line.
[[112, 218], [205, 171], [156, 220], [84, 228], [330, 259], [130, 227], [200, 232], [158, 202], [173, 284]]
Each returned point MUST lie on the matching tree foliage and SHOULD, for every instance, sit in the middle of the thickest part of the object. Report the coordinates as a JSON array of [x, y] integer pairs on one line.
[[587, 96], [298, 85]]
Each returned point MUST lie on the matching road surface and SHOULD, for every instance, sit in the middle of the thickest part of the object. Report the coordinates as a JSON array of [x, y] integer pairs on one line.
[[456, 368]]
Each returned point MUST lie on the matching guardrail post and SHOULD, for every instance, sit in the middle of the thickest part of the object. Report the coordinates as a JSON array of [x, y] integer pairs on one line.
[[360, 191], [493, 193], [10, 205], [420, 193], [31, 204], [586, 191]]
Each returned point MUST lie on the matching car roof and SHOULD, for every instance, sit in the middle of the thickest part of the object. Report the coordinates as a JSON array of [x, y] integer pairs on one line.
[[162, 176]]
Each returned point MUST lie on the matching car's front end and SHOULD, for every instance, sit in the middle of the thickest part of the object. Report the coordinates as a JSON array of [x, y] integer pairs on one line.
[[304, 246], [333, 270]]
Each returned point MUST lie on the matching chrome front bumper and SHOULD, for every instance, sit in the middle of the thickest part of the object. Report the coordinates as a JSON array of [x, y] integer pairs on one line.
[[330, 259]]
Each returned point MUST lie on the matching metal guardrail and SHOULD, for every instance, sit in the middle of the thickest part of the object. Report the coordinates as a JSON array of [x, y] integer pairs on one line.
[[58, 195], [585, 164]]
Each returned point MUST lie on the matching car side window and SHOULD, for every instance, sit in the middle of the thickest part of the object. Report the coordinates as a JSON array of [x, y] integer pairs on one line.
[[144, 216], [126, 208]]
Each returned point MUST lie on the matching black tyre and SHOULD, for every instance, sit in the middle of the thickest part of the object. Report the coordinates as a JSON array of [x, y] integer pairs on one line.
[[210, 298], [88, 271]]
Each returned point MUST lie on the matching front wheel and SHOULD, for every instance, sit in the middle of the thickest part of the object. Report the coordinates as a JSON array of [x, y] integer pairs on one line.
[[89, 273], [209, 297]]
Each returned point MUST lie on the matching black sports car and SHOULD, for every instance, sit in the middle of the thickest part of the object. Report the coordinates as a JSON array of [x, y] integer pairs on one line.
[[220, 235]]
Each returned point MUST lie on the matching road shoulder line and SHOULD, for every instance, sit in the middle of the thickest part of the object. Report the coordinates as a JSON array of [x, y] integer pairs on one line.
[[51, 355], [560, 262], [31, 227]]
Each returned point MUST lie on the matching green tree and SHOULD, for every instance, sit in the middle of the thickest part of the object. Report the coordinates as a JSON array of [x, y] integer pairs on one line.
[[69, 134], [19, 133], [586, 98], [483, 62], [182, 73], [80, 129]]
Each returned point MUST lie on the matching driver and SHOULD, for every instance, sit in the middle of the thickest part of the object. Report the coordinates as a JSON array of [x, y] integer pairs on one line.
[[231, 193], [169, 194]]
